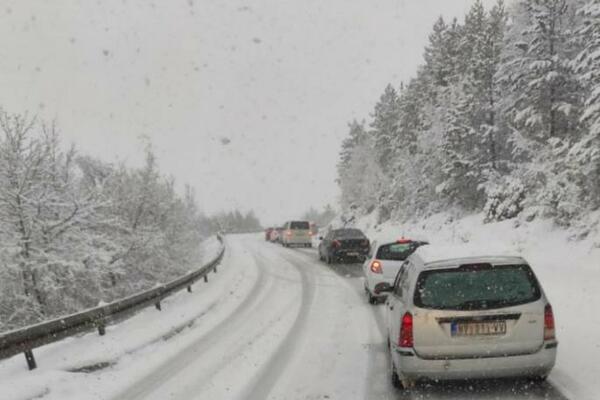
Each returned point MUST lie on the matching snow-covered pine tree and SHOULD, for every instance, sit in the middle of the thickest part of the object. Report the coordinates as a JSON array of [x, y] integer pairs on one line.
[[541, 102], [383, 125], [356, 133], [585, 154]]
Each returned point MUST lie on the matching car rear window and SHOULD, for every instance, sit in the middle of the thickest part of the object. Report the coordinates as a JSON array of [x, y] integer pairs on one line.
[[349, 234], [300, 225], [476, 287], [397, 251]]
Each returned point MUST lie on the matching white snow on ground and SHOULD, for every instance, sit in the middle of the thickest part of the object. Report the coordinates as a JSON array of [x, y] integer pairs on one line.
[[569, 271], [137, 335], [271, 322]]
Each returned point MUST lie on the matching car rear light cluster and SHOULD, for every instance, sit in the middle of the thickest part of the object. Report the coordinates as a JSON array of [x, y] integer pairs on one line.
[[289, 233], [406, 338], [376, 267], [365, 243], [549, 330], [336, 243]]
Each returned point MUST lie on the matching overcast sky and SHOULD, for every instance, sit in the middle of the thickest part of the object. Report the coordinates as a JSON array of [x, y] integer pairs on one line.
[[246, 101]]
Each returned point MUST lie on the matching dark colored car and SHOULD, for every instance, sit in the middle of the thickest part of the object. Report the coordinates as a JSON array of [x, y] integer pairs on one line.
[[340, 244]]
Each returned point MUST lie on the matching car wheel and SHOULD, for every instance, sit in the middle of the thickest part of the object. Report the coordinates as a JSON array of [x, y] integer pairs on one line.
[[396, 382], [328, 259], [372, 299]]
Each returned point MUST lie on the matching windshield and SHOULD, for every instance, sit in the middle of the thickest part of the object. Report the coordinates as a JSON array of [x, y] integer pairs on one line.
[[348, 234], [396, 251], [300, 225], [476, 287]]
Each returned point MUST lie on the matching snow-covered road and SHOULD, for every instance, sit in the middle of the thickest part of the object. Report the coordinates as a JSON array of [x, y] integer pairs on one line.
[[274, 323]]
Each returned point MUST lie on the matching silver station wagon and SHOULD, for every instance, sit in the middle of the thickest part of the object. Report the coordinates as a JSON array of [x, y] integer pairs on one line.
[[467, 317]]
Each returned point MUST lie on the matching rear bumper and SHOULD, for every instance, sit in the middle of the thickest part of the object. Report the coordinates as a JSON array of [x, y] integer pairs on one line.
[[293, 240], [415, 368], [349, 253]]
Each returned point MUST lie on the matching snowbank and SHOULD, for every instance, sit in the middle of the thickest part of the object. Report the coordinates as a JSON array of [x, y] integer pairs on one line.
[[569, 270]]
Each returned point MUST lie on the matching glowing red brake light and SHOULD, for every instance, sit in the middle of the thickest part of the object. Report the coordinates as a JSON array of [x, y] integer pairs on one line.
[[403, 241], [549, 330], [336, 243], [376, 267], [406, 331]]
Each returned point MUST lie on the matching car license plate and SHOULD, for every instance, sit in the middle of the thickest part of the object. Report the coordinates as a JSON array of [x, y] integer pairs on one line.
[[487, 328]]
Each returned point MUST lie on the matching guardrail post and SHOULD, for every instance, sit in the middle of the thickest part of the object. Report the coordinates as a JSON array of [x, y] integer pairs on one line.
[[31, 364], [101, 328], [190, 289], [205, 278], [157, 305]]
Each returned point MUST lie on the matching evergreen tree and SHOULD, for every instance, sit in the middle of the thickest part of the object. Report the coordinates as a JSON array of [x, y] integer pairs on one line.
[[385, 121]]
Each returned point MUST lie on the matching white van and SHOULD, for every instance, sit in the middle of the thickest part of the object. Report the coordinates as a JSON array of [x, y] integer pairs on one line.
[[296, 233]]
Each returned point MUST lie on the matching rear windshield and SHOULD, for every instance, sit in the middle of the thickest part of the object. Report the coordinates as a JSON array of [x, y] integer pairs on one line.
[[300, 225], [476, 287], [397, 251], [349, 233]]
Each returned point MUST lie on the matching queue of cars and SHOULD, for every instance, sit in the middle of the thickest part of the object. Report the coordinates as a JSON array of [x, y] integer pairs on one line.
[[292, 233], [452, 313]]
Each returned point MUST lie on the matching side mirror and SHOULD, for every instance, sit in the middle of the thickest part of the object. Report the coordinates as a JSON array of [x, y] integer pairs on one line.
[[383, 287]]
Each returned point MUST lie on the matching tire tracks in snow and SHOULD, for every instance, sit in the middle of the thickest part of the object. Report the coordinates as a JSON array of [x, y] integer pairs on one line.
[[272, 370], [377, 385], [191, 352]]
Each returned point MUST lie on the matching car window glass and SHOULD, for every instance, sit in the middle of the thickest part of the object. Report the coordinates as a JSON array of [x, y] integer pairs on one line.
[[300, 225], [404, 278], [396, 251], [398, 282], [476, 287]]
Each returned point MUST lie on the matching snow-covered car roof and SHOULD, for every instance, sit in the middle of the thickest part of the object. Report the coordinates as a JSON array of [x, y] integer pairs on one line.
[[442, 255]]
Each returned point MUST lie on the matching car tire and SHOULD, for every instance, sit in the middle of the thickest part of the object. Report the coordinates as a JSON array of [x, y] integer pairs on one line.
[[328, 259], [396, 381], [372, 299]]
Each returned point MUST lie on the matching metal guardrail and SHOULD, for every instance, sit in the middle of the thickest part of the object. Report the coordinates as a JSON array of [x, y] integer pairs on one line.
[[24, 340]]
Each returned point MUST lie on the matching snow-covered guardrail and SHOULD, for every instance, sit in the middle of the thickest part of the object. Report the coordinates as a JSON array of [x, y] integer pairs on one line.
[[26, 339]]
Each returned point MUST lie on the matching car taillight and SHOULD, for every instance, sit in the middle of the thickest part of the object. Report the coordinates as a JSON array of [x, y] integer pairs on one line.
[[406, 331], [289, 233], [549, 331], [376, 267], [336, 243]]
